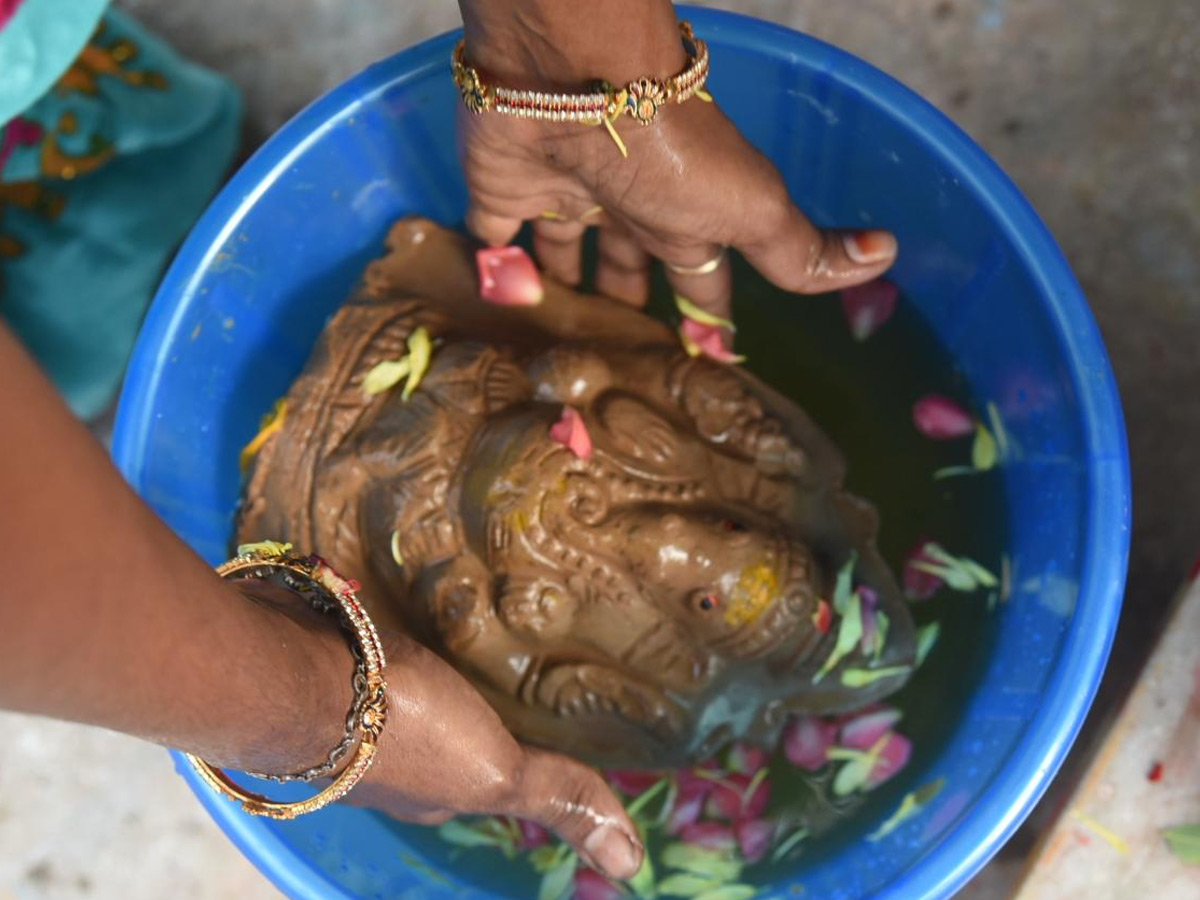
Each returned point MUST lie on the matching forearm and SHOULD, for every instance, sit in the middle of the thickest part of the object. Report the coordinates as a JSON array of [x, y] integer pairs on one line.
[[562, 43], [110, 620]]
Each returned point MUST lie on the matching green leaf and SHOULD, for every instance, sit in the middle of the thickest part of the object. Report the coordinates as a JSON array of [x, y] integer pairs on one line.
[[953, 472], [844, 588], [643, 882], [856, 678], [845, 754], [789, 843], [1184, 842], [882, 624], [961, 573], [1003, 444], [854, 775], [955, 578], [849, 634], [927, 637], [755, 783], [668, 804], [386, 375], [910, 806], [979, 573], [983, 452], [712, 864], [420, 352], [689, 309], [462, 834], [557, 882], [684, 884], [730, 892], [639, 803], [546, 857]]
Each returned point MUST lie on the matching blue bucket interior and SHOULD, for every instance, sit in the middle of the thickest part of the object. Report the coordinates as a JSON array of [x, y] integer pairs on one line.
[[284, 243]]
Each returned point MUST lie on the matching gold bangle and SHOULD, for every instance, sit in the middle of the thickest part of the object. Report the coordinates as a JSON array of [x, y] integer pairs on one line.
[[333, 593], [640, 99]]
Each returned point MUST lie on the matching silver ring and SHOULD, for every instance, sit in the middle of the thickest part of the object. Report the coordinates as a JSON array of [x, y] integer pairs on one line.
[[705, 268]]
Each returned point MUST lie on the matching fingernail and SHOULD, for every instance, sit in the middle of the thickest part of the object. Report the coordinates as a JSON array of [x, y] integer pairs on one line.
[[588, 213], [866, 247], [614, 852], [552, 216]]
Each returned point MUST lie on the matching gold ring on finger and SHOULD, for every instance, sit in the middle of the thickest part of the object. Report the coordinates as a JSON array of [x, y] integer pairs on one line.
[[705, 268]]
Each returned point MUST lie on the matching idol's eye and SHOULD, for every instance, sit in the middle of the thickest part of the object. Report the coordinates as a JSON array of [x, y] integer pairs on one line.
[[707, 602], [732, 525]]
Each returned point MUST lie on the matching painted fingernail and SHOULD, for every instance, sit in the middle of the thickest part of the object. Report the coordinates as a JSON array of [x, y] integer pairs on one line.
[[588, 213], [552, 216], [866, 247], [614, 852]]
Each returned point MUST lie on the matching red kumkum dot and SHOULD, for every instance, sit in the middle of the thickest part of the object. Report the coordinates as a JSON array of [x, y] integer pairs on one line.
[[1156, 772]]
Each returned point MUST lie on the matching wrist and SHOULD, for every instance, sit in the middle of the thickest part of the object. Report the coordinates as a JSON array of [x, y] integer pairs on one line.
[[552, 45], [308, 693]]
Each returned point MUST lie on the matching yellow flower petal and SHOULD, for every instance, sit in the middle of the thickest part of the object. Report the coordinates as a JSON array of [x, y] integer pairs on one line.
[[983, 453], [386, 375], [264, 548], [271, 423], [420, 351], [687, 308]]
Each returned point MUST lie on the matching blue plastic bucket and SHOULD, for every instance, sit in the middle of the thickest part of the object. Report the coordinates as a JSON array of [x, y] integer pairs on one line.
[[283, 244]]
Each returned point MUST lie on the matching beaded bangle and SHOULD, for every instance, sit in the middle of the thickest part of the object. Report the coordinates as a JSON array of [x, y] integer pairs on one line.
[[641, 99], [329, 592]]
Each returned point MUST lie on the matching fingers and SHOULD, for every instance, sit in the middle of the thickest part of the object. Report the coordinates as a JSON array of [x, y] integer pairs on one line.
[[797, 256], [558, 244], [497, 231], [623, 267], [704, 277], [573, 801]]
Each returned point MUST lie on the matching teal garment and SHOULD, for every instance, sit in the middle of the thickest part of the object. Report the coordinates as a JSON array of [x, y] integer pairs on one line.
[[37, 44], [100, 179]]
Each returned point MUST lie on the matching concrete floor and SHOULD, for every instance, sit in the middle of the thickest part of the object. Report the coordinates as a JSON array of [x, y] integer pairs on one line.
[[1090, 106]]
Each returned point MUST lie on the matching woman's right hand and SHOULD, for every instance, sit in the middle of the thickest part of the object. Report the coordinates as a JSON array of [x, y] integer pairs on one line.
[[445, 752]]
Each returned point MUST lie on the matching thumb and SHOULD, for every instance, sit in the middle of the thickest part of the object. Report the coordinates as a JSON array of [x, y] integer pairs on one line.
[[799, 257], [574, 802]]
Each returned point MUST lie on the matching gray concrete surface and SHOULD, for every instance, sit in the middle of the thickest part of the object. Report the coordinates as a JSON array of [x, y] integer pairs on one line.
[[1091, 106]]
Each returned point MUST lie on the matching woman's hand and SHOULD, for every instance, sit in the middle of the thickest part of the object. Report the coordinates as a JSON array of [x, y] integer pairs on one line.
[[691, 185], [445, 752]]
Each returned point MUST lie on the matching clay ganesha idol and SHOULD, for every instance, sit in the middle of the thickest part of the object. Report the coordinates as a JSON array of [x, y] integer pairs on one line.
[[636, 606]]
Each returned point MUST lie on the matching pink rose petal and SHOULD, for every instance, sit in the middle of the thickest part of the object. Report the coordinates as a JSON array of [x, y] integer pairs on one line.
[[864, 729], [893, 757], [806, 741], [699, 338], [754, 838], [591, 885], [508, 277], [709, 835], [940, 418], [728, 799], [633, 783], [869, 306], [572, 433], [919, 584], [689, 804], [533, 835], [747, 759]]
